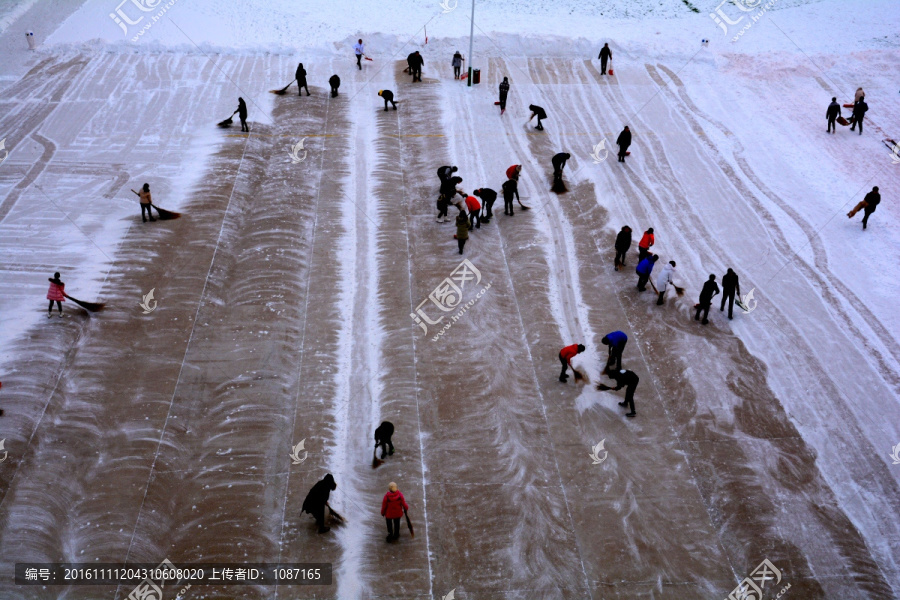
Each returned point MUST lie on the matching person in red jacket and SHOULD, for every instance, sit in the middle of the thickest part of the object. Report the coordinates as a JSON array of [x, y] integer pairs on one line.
[[647, 240], [474, 207], [393, 505], [56, 293], [513, 172], [565, 357]]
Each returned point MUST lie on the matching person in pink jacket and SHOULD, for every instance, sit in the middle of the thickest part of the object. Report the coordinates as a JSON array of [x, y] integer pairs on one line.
[[392, 508], [56, 293]]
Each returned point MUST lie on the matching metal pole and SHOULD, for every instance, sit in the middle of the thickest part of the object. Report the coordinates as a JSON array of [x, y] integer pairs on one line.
[[471, 38]]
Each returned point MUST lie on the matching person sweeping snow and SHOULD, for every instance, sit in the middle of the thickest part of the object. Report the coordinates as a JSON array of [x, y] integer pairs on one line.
[[643, 270], [388, 96], [393, 507], [474, 207], [616, 341], [301, 80], [565, 358], [710, 289], [56, 293], [447, 194], [488, 197], [317, 499], [146, 201], [647, 241], [665, 277], [537, 111], [559, 163], [629, 380], [730, 286]]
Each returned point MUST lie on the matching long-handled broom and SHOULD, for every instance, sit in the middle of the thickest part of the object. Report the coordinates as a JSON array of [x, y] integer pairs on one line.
[[164, 215], [91, 306], [283, 90], [227, 122], [412, 532]]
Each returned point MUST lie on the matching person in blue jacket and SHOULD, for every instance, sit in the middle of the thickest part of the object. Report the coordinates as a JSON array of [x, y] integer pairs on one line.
[[644, 268], [616, 342]]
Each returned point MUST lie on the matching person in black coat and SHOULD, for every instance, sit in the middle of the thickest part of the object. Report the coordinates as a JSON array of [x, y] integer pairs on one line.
[[504, 90], [301, 80], [628, 380], [317, 500], [623, 243], [388, 96], [415, 62], [624, 140], [488, 197], [859, 113], [872, 200], [710, 289], [383, 438], [559, 163], [833, 112], [448, 191], [510, 191], [605, 55], [335, 83], [444, 173], [242, 113], [730, 287], [537, 111]]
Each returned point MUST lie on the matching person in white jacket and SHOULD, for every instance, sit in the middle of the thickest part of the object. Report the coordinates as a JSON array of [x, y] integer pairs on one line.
[[360, 51], [663, 280]]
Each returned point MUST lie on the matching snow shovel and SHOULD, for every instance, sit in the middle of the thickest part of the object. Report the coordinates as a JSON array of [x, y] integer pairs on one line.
[[91, 306], [842, 121], [412, 533], [366, 57], [610, 68], [227, 122], [283, 90], [602, 387], [376, 462]]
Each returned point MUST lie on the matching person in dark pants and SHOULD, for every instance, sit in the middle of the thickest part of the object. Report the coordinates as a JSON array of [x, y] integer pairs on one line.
[[301, 80], [360, 51], [872, 200], [510, 191], [565, 358], [146, 202], [393, 505], [383, 438], [388, 96], [628, 380], [416, 61], [448, 191], [859, 113], [56, 293], [616, 341], [559, 163], [624, 140], [488, 197], [504, 90], [833, 112], [462, 229], [623, 243], [644, 269], [730, 286], [242, 113], [474, 207], [457, 64], [537, 111], [710, 289], [335, 83], [317, 500], [605, 55]]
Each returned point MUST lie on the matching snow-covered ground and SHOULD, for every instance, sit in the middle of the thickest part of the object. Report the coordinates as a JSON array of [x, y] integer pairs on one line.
[[285, 296]]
